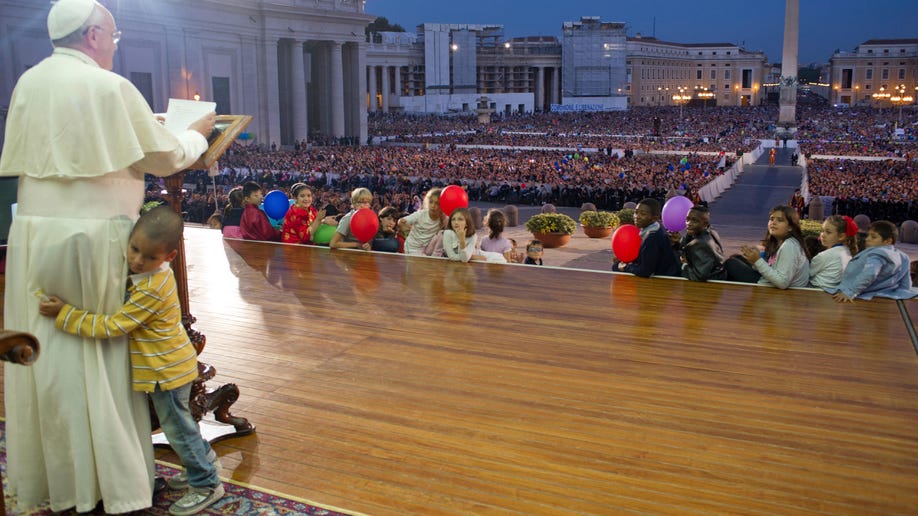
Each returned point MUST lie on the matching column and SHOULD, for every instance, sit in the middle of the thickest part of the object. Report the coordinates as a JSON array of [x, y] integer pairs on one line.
[[358, 59], [298, 91], [372, 85], [175, 63], [385, 89], [270, 109], [540, 89], [556, 85], [397, 83], [337, 89], [788, 99]]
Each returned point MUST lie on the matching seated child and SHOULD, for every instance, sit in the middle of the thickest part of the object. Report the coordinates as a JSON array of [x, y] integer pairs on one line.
[[343, 238], [254, 223], [232, 213], [534, 252], [656, 256], [163, 360], [879, 270], [838, 238], [515, 256], [386, 239], [460, 240]]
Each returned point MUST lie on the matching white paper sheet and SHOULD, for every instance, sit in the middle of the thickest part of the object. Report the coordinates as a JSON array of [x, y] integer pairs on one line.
[[181, 113]]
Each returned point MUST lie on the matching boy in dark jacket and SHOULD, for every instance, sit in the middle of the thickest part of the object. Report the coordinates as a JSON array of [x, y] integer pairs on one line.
[[656, 256]]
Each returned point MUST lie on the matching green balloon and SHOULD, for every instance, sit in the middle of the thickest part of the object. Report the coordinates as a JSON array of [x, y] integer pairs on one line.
[[324, 234]]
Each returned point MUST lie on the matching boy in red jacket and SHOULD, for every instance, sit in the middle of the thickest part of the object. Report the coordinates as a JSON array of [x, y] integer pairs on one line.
[[255, 224]]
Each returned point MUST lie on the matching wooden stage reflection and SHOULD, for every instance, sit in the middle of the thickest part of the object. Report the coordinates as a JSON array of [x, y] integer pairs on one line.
[[390, 385]]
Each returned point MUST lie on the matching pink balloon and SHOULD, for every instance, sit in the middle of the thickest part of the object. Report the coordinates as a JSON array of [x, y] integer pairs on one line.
[[626, 242], [453, 197], [364, 224]]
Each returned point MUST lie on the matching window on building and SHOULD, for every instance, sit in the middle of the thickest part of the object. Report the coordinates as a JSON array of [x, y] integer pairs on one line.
[[868, 74], [747, 78], [698, 75], [901, 73], [713, 74], [884, 74], [222, 94], [144, 83], [726, 75], [847, 74]]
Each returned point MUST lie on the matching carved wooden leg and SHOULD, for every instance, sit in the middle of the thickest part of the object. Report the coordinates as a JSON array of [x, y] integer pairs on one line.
[[201, 401]]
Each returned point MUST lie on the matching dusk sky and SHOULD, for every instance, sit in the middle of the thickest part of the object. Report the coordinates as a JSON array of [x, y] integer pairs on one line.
[[825, 25]]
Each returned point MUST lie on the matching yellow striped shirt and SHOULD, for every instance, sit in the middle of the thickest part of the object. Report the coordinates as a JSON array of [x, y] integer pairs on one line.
[[161, 352]]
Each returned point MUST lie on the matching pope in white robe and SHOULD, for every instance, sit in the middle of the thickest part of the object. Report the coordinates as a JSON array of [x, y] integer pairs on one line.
[[80, 139]]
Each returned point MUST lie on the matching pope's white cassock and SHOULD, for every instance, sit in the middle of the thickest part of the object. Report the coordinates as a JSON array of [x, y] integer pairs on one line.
[[80, 139]]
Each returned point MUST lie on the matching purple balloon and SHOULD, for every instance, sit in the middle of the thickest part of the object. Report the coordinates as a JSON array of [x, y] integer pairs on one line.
[[674, 212]]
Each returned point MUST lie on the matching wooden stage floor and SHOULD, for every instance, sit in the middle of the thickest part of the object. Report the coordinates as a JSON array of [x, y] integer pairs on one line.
[[392, 385]]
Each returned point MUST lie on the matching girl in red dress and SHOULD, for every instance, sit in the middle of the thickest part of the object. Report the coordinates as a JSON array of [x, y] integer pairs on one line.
[[302, 219]]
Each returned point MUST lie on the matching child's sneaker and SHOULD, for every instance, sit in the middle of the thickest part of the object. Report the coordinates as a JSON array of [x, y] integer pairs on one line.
[[196, 500], [180, 481]]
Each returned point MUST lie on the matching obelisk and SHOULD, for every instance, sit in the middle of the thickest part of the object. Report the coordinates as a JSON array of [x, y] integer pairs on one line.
[[787, 116]]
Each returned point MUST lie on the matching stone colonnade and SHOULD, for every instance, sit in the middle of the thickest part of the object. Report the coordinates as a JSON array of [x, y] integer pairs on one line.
[[319, 91]]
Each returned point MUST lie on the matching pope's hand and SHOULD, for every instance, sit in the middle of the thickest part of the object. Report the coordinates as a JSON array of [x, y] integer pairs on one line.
[[205, 124]]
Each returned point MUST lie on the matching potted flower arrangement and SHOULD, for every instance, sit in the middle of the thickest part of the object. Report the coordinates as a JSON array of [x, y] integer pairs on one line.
[[810, 227], [625, 216], [552, 229], [598, 224]]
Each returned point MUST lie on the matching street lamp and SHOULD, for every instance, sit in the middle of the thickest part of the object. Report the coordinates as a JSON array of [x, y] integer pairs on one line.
[[661, 94], [900, 98], [881, 95], [681, 99], [705, 95]]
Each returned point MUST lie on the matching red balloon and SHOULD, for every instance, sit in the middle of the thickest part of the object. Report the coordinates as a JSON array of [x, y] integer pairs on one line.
[[453, 197], [364, 224], [626, 242]]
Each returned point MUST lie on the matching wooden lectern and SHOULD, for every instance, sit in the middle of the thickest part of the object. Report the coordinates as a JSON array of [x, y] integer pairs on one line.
[[226, 129]]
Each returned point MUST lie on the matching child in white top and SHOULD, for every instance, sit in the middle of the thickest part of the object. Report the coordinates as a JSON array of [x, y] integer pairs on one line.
[[423, 224], [459, 241], [838, 237]]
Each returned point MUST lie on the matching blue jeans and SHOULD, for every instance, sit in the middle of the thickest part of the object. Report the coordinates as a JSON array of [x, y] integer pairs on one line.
[[183, 434]]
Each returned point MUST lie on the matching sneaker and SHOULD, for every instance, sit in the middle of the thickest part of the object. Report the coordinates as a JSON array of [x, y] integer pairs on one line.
[[180, 481], [196, 500]]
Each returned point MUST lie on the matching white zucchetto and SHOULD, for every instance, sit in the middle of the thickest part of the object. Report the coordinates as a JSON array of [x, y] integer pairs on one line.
[[67, 16]]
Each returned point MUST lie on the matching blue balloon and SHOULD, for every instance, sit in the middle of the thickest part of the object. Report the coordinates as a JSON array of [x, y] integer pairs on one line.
[[621, 175], [276, 204]]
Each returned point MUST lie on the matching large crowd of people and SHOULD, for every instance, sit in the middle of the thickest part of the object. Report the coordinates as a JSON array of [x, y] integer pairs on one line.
[[885, 189], [607, 159]]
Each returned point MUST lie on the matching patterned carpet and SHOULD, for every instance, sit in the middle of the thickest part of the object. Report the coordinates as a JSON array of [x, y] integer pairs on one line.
[[239, 499]]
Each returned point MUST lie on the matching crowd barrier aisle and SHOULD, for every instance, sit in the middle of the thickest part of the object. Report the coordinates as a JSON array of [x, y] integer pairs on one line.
[[722, 183]]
